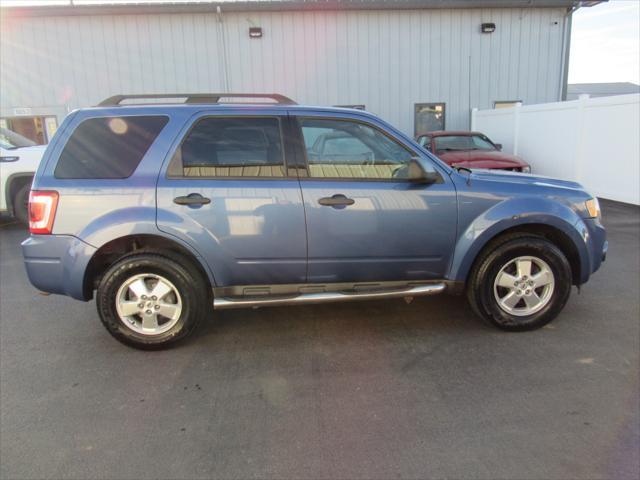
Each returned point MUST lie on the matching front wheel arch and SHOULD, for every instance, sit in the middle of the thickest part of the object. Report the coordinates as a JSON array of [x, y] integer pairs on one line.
[[553, 234], [14, 183], [524, 299]]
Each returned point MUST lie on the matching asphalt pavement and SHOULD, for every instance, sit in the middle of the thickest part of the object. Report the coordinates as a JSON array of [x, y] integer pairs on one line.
[[379, 389]]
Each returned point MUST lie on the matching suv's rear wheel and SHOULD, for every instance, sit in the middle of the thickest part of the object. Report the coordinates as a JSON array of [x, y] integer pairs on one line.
[[521, 283], [21, 204], [151, 301]]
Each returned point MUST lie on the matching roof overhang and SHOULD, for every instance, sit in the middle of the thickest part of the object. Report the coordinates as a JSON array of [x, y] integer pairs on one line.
[[129, 8]]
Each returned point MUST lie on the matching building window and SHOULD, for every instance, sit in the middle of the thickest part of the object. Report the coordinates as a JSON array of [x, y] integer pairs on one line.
[[357, 107], [429, 117], [39, 130], [347, 149], [506, 103], [231, 147]]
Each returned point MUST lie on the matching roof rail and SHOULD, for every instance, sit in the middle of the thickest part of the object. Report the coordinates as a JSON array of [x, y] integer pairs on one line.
[[116, 100]]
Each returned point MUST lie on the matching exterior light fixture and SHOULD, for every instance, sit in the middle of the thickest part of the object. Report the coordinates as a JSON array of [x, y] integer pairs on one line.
[[255, 32], [488, 27]]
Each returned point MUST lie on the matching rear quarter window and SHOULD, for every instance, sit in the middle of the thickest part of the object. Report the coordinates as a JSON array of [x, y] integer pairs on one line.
[[108, 147]]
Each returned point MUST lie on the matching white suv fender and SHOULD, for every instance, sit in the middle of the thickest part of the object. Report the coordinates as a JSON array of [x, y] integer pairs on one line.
[[17, 168]]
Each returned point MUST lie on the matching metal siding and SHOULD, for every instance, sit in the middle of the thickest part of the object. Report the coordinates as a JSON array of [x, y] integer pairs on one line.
[[387, 60]]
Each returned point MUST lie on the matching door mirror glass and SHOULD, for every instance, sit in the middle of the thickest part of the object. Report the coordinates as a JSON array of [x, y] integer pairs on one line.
[[418, 174]]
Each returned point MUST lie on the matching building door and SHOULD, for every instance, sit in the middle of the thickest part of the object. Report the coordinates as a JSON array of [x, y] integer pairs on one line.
[[429, 117], [366, 221]]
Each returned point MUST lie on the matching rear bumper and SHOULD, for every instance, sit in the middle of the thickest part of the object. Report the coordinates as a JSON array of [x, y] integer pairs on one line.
[[57, 263]]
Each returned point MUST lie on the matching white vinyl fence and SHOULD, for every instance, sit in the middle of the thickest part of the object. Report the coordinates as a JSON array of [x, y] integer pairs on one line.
[[594, 141]]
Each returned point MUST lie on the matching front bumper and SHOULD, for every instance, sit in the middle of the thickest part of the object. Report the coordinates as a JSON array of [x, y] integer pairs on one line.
[[595, 238], [57, 263]]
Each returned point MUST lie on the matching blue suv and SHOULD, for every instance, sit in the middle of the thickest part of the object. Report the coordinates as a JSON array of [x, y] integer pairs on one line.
[[169, 210]]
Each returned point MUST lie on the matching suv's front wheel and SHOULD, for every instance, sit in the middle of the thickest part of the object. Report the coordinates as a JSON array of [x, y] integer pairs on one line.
[[21, 204], [521, 283], [150, 300]]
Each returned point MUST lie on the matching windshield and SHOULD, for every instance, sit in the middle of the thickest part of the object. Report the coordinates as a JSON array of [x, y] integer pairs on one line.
[[463, 142], [10, 139]]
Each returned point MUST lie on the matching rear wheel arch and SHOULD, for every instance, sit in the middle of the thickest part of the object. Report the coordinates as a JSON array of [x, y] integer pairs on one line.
[[121, 247]]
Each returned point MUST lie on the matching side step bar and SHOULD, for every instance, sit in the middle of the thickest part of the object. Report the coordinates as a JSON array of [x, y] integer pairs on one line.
[[325, 297]]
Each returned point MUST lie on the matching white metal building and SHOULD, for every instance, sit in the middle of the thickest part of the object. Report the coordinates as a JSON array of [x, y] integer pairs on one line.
[[420, 64]]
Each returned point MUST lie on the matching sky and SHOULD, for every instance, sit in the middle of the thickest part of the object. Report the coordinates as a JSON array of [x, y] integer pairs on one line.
[[605, 40], [605, 43]]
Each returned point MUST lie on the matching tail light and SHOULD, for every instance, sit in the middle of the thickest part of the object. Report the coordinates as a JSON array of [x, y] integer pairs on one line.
[[42, 211]]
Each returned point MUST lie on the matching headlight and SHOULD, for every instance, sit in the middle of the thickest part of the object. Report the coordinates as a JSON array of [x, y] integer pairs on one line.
[[526, 169], [593, 207]]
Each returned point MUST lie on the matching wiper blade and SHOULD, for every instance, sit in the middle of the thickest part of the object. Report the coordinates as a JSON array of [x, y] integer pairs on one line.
[[460, 169]]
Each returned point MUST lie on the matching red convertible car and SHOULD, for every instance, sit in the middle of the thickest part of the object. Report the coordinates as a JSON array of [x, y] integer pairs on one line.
[[471, 150]]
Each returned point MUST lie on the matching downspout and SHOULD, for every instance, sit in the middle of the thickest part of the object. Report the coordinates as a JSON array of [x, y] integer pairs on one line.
[[566, 46], [223, 42]]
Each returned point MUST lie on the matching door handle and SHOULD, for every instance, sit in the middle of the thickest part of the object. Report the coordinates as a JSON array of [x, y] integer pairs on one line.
[[337, 200], [192, 199]]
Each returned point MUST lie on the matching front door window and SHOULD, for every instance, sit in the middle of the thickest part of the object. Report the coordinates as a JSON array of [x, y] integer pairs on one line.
[[346, 149]]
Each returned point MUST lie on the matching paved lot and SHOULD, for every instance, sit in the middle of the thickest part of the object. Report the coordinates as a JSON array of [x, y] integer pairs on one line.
[[364, 390]]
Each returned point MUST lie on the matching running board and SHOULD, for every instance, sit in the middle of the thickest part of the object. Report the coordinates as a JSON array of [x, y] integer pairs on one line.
[[325, 297]]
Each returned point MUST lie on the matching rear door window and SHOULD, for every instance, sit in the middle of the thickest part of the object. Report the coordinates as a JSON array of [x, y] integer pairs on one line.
[[108, 147], [222, 147]]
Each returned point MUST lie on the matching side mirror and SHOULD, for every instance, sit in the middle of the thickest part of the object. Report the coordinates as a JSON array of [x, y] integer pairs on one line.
[[417, 174], [498, 146]]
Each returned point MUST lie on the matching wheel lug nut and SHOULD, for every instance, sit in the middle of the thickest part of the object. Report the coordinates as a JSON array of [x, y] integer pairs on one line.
[[149, 312], [154, 298], [143, 297], [157, 307], [141, 305]]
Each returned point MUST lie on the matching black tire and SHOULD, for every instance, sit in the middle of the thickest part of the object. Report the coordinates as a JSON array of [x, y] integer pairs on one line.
[[480, 288], [21, 204], [193, 289]]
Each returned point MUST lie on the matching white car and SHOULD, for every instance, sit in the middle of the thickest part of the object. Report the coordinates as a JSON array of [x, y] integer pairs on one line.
[[19, 160]]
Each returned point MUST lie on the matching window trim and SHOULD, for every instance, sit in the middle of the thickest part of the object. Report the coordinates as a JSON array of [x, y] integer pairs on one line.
[[303, 149], [58, 155], [415, 112], [282, 120]]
